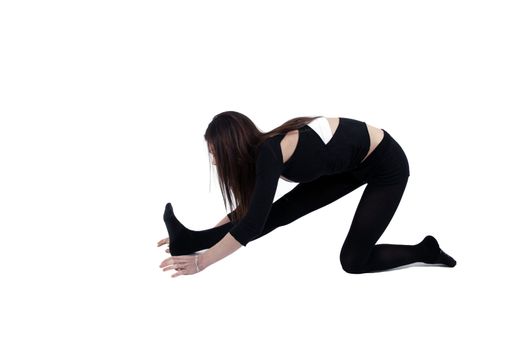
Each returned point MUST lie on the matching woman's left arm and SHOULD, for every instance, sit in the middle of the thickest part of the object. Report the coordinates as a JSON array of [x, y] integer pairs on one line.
[[267, 171]]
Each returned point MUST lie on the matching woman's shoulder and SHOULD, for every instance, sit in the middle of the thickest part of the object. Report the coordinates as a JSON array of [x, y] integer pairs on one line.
[[269, 151]]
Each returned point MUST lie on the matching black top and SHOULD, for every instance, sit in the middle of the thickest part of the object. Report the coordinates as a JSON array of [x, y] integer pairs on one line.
[[311, 159]]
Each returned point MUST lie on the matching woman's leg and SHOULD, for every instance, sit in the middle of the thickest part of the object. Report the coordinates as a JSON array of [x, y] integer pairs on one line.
[[359, 254], [307, 197], [299, 201]]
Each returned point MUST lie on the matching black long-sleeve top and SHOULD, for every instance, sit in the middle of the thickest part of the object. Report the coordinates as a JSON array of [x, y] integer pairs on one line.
[[311, 159]]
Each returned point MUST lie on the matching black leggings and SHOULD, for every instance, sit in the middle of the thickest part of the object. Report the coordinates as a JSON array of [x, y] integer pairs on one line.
[[385, 171]]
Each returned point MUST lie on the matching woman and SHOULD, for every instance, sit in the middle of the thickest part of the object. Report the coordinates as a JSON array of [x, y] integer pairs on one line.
[[328, 158]]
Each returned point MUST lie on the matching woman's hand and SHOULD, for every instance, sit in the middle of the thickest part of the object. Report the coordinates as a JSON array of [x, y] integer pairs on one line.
[[164, 241], [184, 264]]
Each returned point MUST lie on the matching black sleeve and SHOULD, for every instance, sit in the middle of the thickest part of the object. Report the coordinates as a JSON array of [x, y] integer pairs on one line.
[[267, 171], [230, 215]]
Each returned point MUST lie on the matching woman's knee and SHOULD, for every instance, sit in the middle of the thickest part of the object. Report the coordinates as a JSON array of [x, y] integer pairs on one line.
[[353, 264], [354, 269]]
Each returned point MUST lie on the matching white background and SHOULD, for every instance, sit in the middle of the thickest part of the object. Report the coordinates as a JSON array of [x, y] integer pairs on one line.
[[103, 109]]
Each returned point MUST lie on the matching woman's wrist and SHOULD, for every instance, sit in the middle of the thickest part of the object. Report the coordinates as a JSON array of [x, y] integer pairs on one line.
[[227, 245], [201, 262]]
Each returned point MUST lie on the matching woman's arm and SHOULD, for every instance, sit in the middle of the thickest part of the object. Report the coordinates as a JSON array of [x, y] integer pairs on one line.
[[223, 221], [268, 168], [223, 248]]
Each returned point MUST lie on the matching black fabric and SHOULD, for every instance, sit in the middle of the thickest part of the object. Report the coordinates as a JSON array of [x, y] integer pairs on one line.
[[311, 159], [268, 170], [385, 172]]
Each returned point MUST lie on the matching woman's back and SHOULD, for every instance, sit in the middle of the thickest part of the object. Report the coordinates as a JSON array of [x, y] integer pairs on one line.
[[314, 151]]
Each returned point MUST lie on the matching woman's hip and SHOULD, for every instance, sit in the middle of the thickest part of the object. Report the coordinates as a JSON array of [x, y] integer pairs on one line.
[[387, 164]]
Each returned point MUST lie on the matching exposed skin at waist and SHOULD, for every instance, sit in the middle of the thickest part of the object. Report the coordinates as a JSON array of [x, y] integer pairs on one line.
[[289, 141]]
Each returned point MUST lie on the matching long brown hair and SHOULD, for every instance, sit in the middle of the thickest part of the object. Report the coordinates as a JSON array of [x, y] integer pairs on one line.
[[233, 140]]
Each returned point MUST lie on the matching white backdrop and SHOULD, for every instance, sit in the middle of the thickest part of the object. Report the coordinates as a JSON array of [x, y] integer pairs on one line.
[[103, 109]]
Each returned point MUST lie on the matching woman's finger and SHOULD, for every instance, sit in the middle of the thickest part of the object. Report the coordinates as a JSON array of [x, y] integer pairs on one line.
[[174, 267], [174, 260], [163, 241]]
